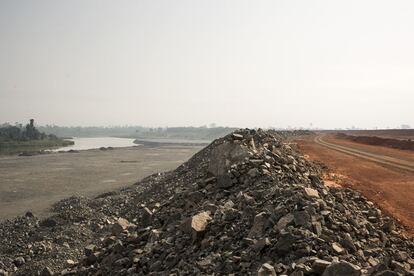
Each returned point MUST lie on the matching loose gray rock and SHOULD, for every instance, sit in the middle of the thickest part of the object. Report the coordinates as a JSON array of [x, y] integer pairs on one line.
[[342, 269], [249, 203]]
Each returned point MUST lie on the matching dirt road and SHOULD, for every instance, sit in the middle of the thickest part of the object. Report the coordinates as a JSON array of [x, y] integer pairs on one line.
[[384, 175], [394, 162], [36, 182]]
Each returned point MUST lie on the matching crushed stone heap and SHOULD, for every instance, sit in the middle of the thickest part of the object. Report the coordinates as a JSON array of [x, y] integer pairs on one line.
[[246, 204]]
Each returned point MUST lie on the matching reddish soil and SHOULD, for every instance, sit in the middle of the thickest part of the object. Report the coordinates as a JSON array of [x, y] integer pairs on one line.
[[391, 189], [385, 133], [379, 141]]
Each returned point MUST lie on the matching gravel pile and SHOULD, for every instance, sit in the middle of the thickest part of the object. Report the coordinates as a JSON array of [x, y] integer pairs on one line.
[[246, 204]]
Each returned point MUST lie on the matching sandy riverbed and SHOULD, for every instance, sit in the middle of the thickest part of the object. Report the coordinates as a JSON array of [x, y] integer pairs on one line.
[[35, 182]]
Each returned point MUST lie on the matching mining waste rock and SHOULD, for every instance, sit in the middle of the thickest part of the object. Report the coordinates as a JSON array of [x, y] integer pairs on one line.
[[246, 204]]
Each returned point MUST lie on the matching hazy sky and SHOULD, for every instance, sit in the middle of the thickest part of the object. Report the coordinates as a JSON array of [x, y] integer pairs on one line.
[[234, 63]]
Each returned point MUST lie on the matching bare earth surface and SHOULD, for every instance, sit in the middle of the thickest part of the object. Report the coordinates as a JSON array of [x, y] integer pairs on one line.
[[36, 182], [389, 184]]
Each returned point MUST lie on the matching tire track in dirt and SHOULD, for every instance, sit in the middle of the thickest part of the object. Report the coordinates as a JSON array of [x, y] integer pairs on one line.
[[384, 160]]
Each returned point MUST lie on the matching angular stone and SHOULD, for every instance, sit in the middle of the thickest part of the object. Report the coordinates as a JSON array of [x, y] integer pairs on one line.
[[301, 218], [348, 244], [196, 225], [237, 136], [266, 270], [311, 192], [376, 269], [342, 269], [319, 266], [223, 156], [146, 216], [70, 262], [372, 261], [224, 181], [254, 172], [285, 243], [284, 221], [337, 248], [89, 249], [317, 228], [260, 244], [259, 224], [120, 226]]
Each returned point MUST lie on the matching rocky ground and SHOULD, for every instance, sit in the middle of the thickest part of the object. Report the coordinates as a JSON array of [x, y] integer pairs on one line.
[[246, 204]]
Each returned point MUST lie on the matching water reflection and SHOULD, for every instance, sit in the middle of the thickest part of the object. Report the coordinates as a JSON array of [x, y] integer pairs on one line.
[[97, 142]]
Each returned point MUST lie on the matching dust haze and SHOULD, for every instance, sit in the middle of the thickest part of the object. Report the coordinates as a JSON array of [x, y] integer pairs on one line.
[[326, 64]]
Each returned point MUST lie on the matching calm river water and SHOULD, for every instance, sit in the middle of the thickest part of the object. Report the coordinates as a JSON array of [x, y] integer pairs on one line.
[[97, 142]]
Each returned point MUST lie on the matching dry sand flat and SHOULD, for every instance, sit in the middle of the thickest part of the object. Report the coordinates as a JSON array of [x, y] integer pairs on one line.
[[35, 182]]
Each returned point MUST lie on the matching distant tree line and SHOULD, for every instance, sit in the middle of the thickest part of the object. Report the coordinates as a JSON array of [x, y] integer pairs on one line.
[[199, 133], [92, 131], [18, 132], [196, 133], [29, 132]]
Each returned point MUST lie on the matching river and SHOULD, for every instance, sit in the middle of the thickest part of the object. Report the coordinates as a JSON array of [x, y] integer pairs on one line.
[[98, 142]]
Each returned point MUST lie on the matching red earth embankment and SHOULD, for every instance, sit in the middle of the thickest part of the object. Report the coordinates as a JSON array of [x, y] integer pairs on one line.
[[379, 141], [389, 188]]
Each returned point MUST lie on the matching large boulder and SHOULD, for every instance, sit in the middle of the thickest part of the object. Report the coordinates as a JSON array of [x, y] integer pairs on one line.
[[224, 155], [342, 269]]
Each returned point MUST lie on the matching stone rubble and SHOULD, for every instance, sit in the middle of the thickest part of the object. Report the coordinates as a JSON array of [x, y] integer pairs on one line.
[[246, 204]]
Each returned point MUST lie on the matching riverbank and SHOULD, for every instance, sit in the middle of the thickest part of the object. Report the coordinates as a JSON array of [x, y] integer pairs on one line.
[[170, 142], [36, 182], [16, 147]]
